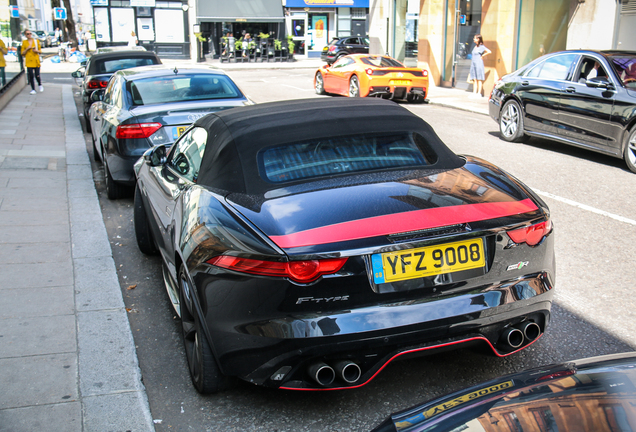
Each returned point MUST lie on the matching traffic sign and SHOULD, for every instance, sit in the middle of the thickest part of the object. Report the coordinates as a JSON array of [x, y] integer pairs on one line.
[[60, 13], [15, 11]]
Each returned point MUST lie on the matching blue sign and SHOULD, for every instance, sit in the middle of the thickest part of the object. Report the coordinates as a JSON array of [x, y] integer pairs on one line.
[[462, 19], [60, 13], [99, 2], [15, 12], [327, 3]]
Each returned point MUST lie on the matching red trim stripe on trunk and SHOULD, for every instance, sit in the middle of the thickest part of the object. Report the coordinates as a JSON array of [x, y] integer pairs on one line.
[[403, 222]]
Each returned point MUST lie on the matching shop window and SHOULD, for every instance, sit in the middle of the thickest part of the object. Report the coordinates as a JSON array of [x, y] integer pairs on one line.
[[544, 420], [616, 418], [513, 422], [543, 26]]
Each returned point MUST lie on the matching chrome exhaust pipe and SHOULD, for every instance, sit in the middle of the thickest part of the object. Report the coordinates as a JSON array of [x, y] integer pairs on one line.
[[322, 373], [512, 337], [347, 371], [530, 329]]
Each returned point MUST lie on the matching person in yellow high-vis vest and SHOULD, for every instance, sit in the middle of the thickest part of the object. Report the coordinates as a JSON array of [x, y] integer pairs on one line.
[[31, 51]]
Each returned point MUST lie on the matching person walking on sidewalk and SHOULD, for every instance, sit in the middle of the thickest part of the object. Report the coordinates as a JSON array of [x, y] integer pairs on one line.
[[31, 51], [477, 72], [3, 63]]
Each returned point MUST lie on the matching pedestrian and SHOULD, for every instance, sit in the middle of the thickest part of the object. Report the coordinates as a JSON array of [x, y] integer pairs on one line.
[[477, 72], [58, 35], [86, 36], [31, 51], [132, 42], [3, 63]]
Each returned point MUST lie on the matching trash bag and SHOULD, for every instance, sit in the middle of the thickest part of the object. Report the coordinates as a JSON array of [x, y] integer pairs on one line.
[[77, 57], [55, 59]]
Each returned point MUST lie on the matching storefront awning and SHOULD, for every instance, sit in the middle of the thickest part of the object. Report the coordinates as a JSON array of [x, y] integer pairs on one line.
[[328, 3], [240, 10]]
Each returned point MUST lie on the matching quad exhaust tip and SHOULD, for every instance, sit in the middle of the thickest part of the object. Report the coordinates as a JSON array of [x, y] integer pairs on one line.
[[530, 329], [345, 370], [525, 332], [322, 373], [512, 337]]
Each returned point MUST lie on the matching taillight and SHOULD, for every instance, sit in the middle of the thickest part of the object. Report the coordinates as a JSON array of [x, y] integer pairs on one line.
[[298, 271], [332, 48], [424, 73], [139, 130], [95, 84], [531, 235], [369, 71]]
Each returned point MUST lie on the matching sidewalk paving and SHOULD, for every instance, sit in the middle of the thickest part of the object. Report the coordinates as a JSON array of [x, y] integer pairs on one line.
[[66, 347]]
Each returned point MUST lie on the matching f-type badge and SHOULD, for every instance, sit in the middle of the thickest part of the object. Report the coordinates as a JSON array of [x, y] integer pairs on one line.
[[517, 266]]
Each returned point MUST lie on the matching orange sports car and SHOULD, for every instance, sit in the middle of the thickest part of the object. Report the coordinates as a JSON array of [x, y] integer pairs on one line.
[[362, 75]]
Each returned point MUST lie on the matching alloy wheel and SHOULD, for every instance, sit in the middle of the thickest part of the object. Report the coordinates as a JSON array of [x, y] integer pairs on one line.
[[510, 120], [354, 87]]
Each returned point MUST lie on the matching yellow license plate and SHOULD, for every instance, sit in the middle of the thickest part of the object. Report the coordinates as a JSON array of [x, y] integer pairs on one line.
[[400, 82], [181, 129], [428, 261]]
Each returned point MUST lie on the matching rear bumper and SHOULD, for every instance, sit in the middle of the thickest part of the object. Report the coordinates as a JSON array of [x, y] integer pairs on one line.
[[392, 92], [278, 351]]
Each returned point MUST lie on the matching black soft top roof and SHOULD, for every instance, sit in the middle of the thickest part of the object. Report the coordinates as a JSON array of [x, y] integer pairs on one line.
[[236, 136]]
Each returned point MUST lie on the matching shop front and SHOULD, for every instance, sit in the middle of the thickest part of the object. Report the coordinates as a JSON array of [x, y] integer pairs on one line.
[[314, 23], [159, 26], [220, 19]]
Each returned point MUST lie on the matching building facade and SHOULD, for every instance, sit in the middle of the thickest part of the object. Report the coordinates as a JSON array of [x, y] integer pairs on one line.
[[516, 31]]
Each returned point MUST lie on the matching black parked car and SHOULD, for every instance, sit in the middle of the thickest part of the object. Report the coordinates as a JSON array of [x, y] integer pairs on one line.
[[308, 243], [583, 98], [151, 105], [100, 67], [591, 395], [341, 47]]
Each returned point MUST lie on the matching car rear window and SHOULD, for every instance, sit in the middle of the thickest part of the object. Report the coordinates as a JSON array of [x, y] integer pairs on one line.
[[181, 88], [379, 61], [344, 154], [113, 65]]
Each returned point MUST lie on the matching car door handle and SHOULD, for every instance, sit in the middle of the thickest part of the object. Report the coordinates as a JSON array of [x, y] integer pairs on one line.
[[525, 83], [570, 90]]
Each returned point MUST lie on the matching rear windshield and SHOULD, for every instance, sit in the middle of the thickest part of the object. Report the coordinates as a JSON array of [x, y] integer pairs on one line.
[[379, 61], [181, 88], [112, 66], [344, 154]]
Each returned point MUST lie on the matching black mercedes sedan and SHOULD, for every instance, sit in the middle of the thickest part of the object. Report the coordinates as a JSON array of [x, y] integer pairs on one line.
[[146, 106], [308, 243], [582, 98], [101, 66], [596, 394]]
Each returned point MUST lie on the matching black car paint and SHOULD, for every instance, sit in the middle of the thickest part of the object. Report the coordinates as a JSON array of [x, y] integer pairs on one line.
[[344, 46], [258, 325], [568, 110], [575, 394]]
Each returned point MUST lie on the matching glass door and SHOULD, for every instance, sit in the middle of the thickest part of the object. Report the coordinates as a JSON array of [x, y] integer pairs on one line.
[[467, 25], [299, 33]]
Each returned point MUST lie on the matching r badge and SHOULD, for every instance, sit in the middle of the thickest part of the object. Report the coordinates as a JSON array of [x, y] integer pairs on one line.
[[518, 266]]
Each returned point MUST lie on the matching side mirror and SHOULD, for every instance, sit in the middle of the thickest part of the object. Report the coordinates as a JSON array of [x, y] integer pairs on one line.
[[156, 155], [78, 74], [97, 96], [83, 63], [600, 82]]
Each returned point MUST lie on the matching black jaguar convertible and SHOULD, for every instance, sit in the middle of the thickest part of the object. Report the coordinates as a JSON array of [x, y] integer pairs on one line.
[[306, 244]]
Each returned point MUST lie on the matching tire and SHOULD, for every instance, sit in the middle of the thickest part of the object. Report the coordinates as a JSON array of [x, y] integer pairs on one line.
[[354, 87], [87, 123], [630, 151], [511, 122], [113, 189], [97, 155], [204, 371], [143, 232], [319, 84]]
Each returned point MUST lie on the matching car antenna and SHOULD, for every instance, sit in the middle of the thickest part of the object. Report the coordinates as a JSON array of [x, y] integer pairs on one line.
[[175, 70]]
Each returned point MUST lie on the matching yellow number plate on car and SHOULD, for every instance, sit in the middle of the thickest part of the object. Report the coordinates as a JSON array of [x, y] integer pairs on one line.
[[400, 82], [428, 261]]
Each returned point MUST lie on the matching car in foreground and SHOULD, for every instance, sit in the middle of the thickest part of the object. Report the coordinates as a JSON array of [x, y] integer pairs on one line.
[[372, 75], [308, 243], [340, 47], [581, 98], [100, 67], [588, 395], [151, 105]]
